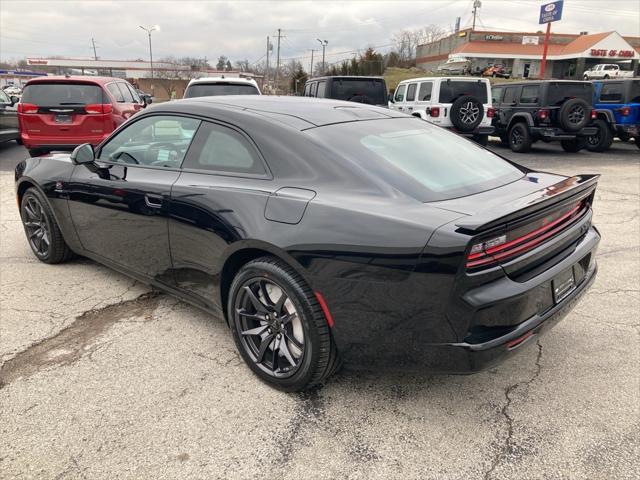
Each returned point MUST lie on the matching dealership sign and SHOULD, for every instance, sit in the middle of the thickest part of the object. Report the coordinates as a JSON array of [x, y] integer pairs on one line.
[[599, 52], [551, 12]]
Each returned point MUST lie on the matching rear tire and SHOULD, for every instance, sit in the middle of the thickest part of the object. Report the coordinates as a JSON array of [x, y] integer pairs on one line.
[[574, 145], [602, 140], [519, 138], [19, 141], [40, 226], [286, 342], [481, 139], [36, 152]]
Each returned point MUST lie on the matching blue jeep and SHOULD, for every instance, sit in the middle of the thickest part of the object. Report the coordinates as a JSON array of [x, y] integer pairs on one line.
[[617, 103]]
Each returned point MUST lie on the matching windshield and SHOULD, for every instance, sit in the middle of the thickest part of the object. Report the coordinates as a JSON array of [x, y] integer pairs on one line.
[[362, 90], [559, 92], [424, 161], [219, 88], [57, 94], [451, 90]]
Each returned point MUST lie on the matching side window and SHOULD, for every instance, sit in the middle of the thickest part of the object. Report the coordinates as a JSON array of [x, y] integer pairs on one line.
[[306, 89], [609, 67], [4, 98], [529, 94], [128, 98], [224, 150], [424, 95], [312, 91], [321, 88], [115, 91], [611, 92], [134, 94], [411, 92], [400, 93], [157, 141], [496, 95], [509, 95]]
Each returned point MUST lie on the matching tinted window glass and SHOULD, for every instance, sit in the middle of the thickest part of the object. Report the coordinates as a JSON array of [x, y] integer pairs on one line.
[[422, 160], [451, 90], [411, 92], [559, 92], [306, 90], [400, 93], [222, 149], [159, 141], [496, 95], [134, 94], [219, 88], [529, 94], [116, 92], [509, 95], [634, 96], [128, 98], [369, 91], [321, 89], [609, 67], [424, 95], [611, 92], [56, 94], [312, 90]]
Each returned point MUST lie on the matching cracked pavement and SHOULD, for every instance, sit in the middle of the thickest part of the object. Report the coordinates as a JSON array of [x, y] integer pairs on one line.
[[101, 378]]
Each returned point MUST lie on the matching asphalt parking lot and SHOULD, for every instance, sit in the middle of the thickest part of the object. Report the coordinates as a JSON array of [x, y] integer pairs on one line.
[[102, 378]]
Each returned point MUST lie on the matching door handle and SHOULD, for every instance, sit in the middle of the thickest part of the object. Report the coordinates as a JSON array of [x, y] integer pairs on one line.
[[153, 201], [409, 108]]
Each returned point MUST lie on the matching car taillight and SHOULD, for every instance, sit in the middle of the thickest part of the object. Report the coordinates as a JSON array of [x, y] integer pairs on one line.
[[434, 111], [99, 108], [543, 114], [522, 239], [594, 114], [625, 111], [27, 108], [491, 112]]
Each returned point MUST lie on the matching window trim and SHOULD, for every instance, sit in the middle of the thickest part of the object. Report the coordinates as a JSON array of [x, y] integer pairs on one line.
[[268, 175], [404, 93], [115, 100], [324, 83]]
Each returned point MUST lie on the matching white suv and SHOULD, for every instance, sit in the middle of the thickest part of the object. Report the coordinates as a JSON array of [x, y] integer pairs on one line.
[[213, 86], [459, 104]]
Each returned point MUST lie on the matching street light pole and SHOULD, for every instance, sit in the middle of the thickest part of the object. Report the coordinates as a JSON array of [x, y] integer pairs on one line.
[[149, 30], [324, 44]]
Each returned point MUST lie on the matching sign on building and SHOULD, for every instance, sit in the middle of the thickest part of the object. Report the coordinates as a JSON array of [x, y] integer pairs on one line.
[[530, 40], [551, 12]]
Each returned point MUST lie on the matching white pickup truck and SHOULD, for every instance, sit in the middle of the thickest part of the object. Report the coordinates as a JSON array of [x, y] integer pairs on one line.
[[606, 70]]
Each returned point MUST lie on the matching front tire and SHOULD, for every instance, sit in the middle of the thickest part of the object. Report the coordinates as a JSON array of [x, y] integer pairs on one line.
[[519, 138], [40, 226], [602, 140], [279, 327], [574, 145]]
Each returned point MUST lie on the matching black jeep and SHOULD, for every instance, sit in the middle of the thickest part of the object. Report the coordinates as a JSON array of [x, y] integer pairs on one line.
[[546, 110]]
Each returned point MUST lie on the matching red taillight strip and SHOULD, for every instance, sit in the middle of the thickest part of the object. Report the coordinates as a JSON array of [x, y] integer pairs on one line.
[[492, 256], [325, 309]]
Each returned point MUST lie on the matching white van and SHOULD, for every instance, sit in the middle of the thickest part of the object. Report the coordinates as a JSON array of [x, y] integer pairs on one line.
[[461, 104], [213, 86]]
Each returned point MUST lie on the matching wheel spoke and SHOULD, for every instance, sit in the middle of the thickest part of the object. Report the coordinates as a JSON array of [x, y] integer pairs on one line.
[[45, 237], [284, 348], [293, 341], [263, 289], [257, 304], [275, 353], [280, 303], [256, 331], [263, 348], [251, 316], [28, 209]]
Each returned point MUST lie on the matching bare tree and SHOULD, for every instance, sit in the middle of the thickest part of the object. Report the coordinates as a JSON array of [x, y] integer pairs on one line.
[[407, 41]]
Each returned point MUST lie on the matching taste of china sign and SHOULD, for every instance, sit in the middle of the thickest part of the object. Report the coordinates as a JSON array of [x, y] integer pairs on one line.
[[595, 52]]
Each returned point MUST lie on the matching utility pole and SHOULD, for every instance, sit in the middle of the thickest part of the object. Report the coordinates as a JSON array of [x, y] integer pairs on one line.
[[266, 71], [278, 61], [149, 30], [311, 69], [476, 5], [324, 44], [95, 54]]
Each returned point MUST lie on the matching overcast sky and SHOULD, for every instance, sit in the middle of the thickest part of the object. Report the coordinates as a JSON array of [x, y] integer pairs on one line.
[[239, 29]]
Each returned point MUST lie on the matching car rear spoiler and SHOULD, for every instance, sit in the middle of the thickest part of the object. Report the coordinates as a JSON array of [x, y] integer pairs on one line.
[[580, 186]]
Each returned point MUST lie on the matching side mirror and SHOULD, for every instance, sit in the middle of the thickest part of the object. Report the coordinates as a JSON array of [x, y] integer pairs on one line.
[[148, 100], [83, 154], [391, 99], [14, 100]]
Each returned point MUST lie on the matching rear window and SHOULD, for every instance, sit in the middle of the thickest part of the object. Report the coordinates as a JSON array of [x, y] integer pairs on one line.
[[218, 88], [424, 161], [612, 92], [371, 91], [451, 90], [559, 92], [634, 96], [57, 94]]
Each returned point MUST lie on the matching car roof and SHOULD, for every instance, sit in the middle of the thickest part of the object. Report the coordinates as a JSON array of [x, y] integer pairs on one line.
[[300, 113], [458, 78], [221, 79], [358, 77], [537, 82], [75, 78]]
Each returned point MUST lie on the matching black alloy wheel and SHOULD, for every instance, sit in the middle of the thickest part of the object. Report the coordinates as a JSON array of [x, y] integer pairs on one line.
[[602, 139], [43, 233], [574, 114], [279, 327], [519, 138]]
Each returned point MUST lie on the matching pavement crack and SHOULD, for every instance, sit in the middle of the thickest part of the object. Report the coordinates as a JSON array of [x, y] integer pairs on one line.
[[507, 447], [75, 340]]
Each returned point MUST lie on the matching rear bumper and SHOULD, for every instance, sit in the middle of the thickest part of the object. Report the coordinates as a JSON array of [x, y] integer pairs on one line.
[[60, 143], [630, 129], [476, 131], [551, 133]]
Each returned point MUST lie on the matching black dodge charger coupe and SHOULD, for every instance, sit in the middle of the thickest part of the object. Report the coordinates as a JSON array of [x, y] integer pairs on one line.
[[323, 231]]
